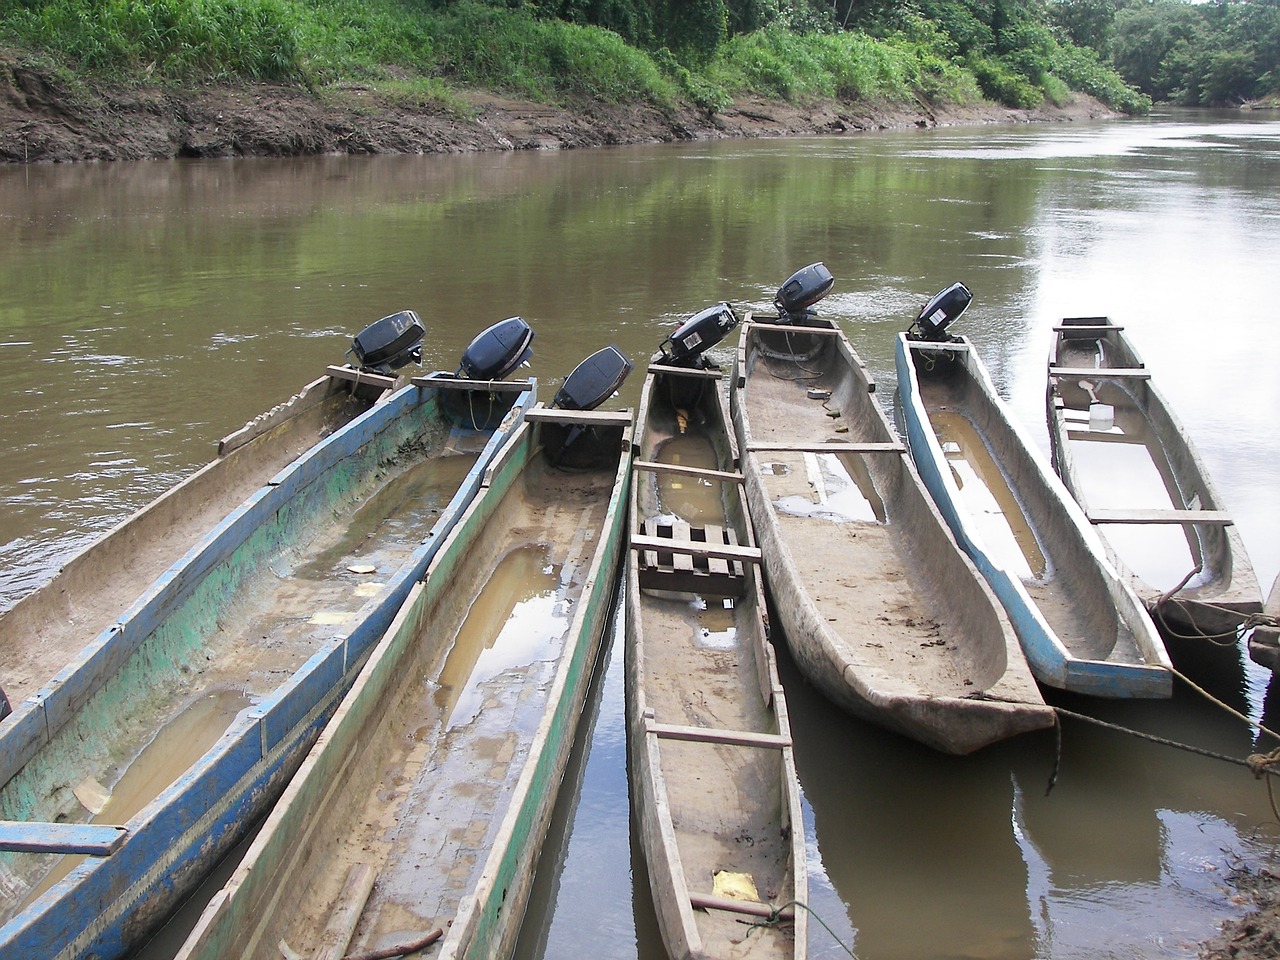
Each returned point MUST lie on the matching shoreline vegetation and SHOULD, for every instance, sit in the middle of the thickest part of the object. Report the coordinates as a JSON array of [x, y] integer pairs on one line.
[[149, 79]]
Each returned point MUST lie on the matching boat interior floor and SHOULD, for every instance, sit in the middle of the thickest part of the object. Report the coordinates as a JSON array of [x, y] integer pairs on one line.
[[453, 740]]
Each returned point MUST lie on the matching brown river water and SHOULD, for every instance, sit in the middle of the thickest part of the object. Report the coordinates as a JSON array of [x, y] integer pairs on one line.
[[148, 309]]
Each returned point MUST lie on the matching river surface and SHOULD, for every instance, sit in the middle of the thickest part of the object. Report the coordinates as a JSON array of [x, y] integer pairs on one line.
[[148, 309]]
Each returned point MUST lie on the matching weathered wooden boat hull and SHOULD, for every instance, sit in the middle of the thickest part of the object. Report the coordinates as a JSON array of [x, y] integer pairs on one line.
[[447, 808], [47, 628], [713, 781], [1224, 591], [194, 633], [882, 610], [1084, 631]]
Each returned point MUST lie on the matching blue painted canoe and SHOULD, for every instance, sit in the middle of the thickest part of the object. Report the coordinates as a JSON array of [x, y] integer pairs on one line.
[[424, 803], [1080, 625], [268, 618], [45, 629]]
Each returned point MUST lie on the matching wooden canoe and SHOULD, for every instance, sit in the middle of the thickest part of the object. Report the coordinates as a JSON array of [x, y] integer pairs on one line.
[[1080, 625], [47, 628], [713, 780], [1099, 391], [430, 791], [883, 611], [171, 734]]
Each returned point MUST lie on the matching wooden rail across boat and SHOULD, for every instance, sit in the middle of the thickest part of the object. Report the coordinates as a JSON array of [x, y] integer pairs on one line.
[[1094, 367], [433, 785], [1080, 625], [212, 684], [883, 611], [713, 781]]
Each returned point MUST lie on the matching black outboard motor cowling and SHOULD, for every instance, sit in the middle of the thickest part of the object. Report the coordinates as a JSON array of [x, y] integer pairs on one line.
[[802, 290], [703, 330], [594, 380], [498, 351], [390, 343], [941, 311]]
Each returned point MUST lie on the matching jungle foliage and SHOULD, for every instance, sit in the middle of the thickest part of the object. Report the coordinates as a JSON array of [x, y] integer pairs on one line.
[[1018, 52]]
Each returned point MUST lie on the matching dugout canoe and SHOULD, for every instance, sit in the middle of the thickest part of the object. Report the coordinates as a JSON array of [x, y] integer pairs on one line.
[[713, 780], [148, 758], [46, 629], [881, 608], [1157, 507], [1081, 627], [423, 804]]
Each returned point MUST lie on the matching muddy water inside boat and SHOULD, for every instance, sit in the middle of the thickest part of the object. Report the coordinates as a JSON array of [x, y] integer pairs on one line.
[[1122, 465], [826, 486], [148, 309], [178, 745], [515, 620], [985, 492]]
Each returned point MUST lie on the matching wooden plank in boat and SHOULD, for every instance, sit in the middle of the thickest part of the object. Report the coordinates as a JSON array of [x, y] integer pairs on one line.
[[1100, 373], [695, 548], [361, 376], [593, 418], [792, 446], [655, 467], [686, 371], [1218, 517], [1104, 436], [1091, 329], [461, 383], [94, 840], [737, 738]]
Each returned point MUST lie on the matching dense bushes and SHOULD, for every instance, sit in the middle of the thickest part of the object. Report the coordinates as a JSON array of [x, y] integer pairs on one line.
[[655, 51]]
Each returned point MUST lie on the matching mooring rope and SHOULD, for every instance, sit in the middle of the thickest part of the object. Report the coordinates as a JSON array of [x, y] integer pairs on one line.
[[776, 916]]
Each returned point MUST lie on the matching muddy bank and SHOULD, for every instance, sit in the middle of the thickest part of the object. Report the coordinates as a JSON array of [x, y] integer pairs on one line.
[[44, 119]]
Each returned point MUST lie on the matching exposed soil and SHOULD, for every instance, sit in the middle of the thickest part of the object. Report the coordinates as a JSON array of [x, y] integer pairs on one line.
[[44, 119]]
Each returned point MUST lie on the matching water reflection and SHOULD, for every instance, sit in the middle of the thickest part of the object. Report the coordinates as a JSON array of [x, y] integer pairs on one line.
[[148, 309]]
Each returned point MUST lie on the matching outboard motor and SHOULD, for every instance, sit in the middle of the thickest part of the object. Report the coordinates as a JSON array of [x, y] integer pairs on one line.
[[591, 383], [498, 351], [940, 312], [388, 344], [699, 333], [594, 380], [804, 288]]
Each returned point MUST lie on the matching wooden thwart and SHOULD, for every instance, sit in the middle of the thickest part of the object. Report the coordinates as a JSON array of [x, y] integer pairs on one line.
[[90, 839], [461, 383], [361, 376], [591, 418], [686, 371], [654, 467], [791, 446], [737, 738], [1100, 373], [1216, 517]]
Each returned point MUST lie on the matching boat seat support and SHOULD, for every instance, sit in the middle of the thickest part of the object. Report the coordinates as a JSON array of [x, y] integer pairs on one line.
[[1217, 517], [686, 559]]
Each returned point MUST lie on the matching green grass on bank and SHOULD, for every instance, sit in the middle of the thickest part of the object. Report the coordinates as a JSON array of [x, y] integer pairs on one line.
[[424, 49]]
